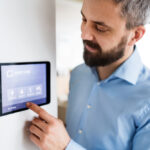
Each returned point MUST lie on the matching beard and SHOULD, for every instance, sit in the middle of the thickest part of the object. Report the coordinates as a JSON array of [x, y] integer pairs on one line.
[[100, 58]]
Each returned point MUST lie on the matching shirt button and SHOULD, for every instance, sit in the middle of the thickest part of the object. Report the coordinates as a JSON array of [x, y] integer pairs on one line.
[[88, 106], [80, 131]]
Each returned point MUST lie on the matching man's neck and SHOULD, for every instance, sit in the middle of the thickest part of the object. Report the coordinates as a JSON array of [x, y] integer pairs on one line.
[[106, 71]]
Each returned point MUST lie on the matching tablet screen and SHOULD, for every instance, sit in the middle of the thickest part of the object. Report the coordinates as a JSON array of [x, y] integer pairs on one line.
[[21, 83]]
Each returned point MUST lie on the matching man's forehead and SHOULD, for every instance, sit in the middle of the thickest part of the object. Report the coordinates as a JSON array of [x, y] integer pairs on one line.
[[102, 10], [98, 6]]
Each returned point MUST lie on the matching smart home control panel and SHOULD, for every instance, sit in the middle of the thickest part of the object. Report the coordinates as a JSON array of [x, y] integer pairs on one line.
[[21, 83]]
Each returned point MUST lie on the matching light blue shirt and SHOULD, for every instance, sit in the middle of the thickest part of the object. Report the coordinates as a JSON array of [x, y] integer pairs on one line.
[[112, 114]]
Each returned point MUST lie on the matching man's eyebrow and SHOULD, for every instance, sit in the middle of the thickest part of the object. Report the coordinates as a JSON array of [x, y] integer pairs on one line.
[[98, 22], [102, 24]]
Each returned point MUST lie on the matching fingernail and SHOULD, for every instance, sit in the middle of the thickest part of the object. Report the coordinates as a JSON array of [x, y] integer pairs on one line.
[[28, 104]]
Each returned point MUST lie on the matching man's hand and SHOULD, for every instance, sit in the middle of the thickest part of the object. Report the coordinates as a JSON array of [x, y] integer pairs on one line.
[[47, 132]]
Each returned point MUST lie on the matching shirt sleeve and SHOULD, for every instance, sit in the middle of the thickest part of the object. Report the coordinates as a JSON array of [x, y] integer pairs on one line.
[[141, 139], [74, 146]]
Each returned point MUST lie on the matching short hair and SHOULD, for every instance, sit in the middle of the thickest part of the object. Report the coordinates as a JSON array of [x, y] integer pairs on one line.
[[136, 12]]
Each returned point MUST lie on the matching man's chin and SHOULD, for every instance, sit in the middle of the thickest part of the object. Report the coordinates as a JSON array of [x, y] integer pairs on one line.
[[92, 60], [89, 59]]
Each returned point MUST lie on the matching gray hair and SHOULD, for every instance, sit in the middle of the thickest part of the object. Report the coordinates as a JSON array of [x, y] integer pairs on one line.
[[136, 12]]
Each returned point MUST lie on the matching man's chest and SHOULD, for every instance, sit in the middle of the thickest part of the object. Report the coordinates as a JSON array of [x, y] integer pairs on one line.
[[104, 116]]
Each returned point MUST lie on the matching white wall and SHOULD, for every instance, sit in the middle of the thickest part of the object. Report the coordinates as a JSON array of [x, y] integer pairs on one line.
[[27, 33]]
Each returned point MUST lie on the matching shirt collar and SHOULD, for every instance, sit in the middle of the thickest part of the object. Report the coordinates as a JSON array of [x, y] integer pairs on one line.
[[130, 69]]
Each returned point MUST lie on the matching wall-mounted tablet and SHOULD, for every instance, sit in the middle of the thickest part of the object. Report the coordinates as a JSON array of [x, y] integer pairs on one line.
[[21, 83]]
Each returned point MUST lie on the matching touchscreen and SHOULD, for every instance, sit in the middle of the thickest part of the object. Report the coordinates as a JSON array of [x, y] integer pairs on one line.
[[22, 83]]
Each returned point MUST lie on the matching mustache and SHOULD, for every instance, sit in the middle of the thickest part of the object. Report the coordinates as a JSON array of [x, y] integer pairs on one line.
[[92, 45]]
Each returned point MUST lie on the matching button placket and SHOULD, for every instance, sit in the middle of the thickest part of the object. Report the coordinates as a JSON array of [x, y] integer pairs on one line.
[[84, 115]]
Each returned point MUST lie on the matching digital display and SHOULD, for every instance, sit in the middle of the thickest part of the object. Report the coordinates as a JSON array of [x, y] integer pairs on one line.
[[22, 83]]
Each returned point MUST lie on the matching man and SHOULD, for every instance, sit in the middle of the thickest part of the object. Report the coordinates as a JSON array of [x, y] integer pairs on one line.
[[109, 100]]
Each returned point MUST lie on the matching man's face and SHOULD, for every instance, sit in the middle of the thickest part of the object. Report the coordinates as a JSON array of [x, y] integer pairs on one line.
[[104, 32]]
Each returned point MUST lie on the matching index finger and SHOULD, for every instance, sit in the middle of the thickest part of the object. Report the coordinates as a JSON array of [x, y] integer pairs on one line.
[[41, 112]]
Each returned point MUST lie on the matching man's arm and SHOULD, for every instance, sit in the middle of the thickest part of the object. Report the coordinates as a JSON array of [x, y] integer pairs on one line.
[[49, 133]]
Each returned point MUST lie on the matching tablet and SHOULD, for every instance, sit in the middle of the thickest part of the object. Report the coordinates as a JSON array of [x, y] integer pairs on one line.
[[21, 83]]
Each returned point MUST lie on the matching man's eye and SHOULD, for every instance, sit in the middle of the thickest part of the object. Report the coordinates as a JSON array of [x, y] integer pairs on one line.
[[100, 29]]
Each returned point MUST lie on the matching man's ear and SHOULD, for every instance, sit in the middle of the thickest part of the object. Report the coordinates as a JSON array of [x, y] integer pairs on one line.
[[137, 34]]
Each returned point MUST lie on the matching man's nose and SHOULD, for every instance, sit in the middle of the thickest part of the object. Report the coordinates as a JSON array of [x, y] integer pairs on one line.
[[87, 34]]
